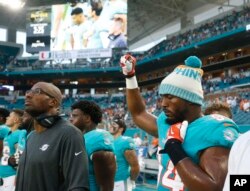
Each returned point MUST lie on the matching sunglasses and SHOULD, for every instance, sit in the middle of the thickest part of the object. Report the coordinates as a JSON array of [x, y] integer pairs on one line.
[[38, 91]]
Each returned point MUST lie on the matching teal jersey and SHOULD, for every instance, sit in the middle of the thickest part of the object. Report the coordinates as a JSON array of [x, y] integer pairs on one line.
[[10, 143], [97, 140], [21, 141], [207, 131], [122, 144], [4, 130]]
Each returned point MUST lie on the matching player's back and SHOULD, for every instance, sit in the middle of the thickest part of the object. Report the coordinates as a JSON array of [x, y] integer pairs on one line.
[[122, 143], [97, 140]]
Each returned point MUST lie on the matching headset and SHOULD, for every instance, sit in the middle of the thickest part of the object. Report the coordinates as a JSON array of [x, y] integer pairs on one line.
[[47, 121]]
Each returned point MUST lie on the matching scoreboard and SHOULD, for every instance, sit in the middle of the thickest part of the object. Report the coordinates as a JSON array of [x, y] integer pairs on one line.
[[38, 27]]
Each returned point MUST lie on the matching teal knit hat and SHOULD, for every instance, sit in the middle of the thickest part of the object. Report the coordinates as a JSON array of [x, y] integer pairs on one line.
[[185, 81]]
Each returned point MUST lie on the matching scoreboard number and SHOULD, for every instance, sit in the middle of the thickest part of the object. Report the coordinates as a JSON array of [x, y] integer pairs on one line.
[[38, 29]]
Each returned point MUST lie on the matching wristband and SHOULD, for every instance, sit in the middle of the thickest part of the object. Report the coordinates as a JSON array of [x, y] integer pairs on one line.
[[131, 83], [174, 150]]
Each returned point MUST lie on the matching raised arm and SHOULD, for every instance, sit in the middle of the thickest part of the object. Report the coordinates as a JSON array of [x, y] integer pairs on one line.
[[136, 105]]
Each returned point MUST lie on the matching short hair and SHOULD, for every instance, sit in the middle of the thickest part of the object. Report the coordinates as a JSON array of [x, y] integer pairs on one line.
[[76, 11], [217, 107], [121, 123], [96, 6], [19, 112], [89, 108], [4, 113]]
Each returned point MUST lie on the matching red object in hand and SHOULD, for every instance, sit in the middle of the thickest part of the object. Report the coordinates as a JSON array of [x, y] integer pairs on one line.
[[127, 63], [177, 131]]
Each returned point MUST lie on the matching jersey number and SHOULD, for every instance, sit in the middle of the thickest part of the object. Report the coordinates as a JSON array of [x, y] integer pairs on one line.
[[171, 179], [6, 155]]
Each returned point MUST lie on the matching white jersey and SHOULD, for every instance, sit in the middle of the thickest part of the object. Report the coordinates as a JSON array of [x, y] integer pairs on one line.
[[78, 32], [238, 162]]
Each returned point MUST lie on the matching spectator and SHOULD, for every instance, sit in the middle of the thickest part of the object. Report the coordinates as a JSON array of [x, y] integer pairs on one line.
[[145, 141], [137, 140]]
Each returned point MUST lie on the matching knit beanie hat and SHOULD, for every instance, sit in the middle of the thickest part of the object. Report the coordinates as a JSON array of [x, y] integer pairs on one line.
[[185, 81]]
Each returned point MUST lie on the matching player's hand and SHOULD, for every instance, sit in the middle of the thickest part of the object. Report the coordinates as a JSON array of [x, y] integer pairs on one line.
[[17, 156], [12, 161], [176, 134], [127, 63], [178, 131]]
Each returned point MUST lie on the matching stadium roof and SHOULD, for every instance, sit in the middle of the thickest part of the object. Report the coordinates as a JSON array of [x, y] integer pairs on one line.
[[144, 16]]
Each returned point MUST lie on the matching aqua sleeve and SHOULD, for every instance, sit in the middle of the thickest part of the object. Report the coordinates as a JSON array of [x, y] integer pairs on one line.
[[225, 133], [128, 144], [102, 140], [4, 130]]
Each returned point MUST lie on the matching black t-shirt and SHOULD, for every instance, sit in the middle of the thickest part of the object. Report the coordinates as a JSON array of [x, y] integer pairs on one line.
[[54, 160]]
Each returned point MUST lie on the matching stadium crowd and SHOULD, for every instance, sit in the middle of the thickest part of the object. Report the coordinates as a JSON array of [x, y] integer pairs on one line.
[[232, 21]]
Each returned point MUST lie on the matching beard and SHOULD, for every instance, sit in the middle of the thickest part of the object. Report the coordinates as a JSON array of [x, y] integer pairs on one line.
[[176, 118], [33, 112], [171, 121]]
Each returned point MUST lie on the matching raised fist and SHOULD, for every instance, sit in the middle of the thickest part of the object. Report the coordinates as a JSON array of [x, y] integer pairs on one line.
[[178, 131], [127, 62]]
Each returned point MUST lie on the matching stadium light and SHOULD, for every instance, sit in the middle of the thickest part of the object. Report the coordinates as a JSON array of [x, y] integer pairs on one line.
[[14, 4], [248, 27]]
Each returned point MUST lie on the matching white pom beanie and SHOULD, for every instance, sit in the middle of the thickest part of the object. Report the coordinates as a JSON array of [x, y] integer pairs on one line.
[[185, 81]]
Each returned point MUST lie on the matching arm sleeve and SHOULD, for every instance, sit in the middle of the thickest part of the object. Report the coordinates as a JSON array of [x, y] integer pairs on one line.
[[3, 131], [74, 162], [225, 135], [129, 144], [103, 142]]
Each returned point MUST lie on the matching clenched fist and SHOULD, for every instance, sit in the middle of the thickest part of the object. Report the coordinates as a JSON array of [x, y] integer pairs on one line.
[[127, 63]]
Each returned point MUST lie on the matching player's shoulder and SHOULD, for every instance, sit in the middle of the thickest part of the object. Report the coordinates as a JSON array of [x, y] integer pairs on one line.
[[97, 140], [99, 135], [126, 142], [219, 129], [161, 118], [217, 120], [99, 132], [126, 139], [20, 132], [4, 128], [23, 133]]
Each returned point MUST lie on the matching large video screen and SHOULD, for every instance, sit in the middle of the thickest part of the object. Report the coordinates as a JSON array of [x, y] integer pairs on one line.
[[38, 30], [95, 24]]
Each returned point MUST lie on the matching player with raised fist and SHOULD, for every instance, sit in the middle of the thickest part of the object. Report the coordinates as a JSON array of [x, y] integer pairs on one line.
[[194, 148]]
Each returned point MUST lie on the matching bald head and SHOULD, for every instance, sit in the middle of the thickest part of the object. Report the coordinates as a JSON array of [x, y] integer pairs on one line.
[[50, 89]]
